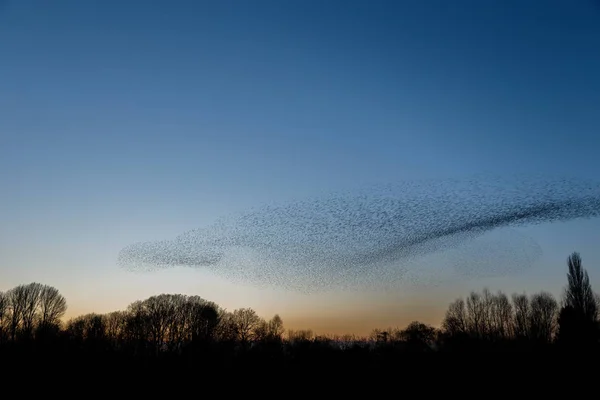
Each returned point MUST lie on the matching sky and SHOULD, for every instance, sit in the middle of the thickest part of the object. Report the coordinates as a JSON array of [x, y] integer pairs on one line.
[[128, 121]]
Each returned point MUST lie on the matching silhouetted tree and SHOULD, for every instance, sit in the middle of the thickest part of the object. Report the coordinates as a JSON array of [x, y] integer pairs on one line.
[[33, 298], [245, 321], [269, 331], [376, 335], [501, 317], [204, 317], [455, 322], [522, 318], [535, 318], [579, 294], [168, 327], [299, 336], [52, 306], [116, 327], [578, 325], [542, 317], [418, 336], [88, 332], [4, 316], [23, 302], [226, 330], [157, 313], [483, 318], [477, 315], [261, 331], [275, 328]]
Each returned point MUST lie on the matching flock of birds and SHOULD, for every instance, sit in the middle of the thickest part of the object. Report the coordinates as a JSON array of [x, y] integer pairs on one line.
[[381, 235]]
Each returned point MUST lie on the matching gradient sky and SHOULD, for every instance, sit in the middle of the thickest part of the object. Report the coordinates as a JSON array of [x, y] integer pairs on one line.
[[126, 121]]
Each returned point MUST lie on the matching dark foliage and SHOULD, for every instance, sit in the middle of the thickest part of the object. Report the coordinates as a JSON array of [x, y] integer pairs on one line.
[[173, 336]]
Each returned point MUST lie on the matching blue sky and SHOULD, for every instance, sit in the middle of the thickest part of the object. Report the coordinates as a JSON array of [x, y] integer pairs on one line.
[[125, 121]]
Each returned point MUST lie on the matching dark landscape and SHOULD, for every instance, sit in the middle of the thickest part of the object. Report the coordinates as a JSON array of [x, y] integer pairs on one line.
[[171, 335]]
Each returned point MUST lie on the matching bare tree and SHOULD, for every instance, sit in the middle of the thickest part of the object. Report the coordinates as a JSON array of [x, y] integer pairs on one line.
[[418, 335], [378, 336], [32, 302], [179, 323], [299, 336], [136, 327], [16, 303], [521, 315], [261, 331], [116, 326], [204, 317], [171, 320], [477, 314], [158, 311], [76, 328], [455, 322], [226, 330], [150, 319], [269, 331], [90, 328], [23, 302], [52, 306], [276, 329], [483, 316], [245, 321], [542, 318], [4, 316], [501, 316]]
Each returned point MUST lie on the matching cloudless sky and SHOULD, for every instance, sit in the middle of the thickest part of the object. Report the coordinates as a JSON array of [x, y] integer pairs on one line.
[[126, 121]]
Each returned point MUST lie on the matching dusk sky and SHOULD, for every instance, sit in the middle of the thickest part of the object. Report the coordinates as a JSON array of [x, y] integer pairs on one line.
[[128, 121]]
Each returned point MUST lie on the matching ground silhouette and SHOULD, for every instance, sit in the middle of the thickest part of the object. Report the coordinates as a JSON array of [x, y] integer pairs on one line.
[[174, 335]]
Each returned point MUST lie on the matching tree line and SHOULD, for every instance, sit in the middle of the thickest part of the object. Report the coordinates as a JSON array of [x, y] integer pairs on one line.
[[175, 326]]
